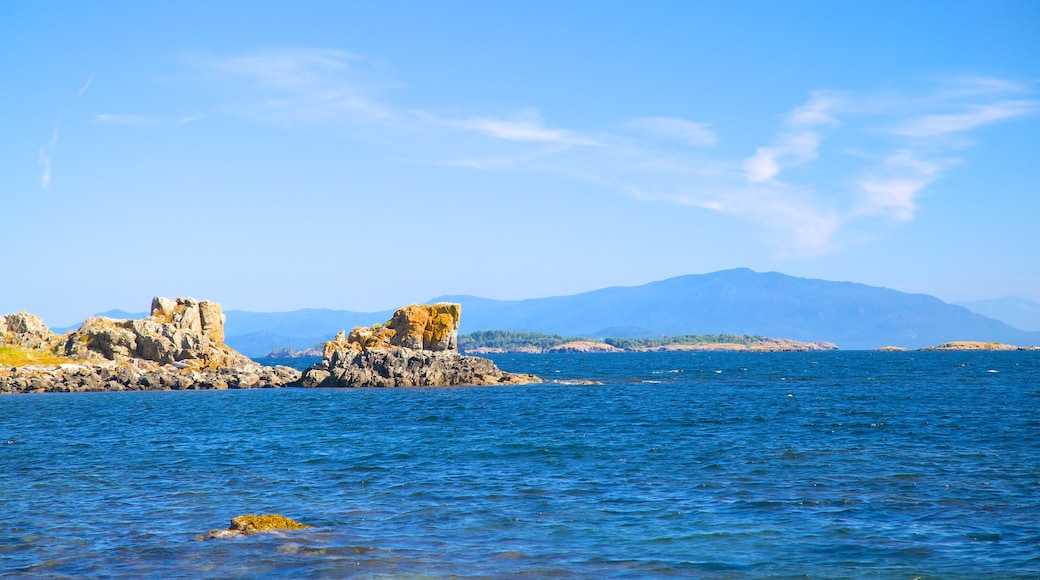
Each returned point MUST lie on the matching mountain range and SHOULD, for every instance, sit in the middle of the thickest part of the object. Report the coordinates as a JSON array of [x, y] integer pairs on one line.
[[1017, 312], [739, 301]]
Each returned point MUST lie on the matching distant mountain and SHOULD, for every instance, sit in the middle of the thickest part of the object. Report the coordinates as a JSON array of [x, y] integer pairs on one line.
[[1018, 312], [850, 315], [255, 334], [853, 316]]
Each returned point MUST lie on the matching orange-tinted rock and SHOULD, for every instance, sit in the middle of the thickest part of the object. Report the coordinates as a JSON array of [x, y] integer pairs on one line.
[[250, 524], [432, 327], [417, 347]]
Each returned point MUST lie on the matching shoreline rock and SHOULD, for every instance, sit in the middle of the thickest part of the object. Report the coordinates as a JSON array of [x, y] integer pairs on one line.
[[180, 346], [418, 347]]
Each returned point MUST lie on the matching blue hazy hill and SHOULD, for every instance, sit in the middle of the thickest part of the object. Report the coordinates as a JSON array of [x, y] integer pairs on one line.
[[1015, 311], [741, 301]]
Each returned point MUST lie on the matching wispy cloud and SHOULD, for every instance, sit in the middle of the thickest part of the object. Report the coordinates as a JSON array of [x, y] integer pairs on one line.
[[527, 127], [46, 157], [799, 143], [838, 161], [792, 148], [891, 189], [83, 90], [682, 130], [302, 84], [969, 117], [45, 154]]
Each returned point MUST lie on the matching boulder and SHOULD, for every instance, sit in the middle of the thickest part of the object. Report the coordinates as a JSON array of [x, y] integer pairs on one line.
[[24, 330]]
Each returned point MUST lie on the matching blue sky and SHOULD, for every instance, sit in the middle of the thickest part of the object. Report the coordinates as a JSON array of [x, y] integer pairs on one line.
[[363, 155]]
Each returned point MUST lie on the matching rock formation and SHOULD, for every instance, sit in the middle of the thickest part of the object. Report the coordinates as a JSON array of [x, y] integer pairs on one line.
[[178, 330], [417, 347], [24, 330], [179, 346]]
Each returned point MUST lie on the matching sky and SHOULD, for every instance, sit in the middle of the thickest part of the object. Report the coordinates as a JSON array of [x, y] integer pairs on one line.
[[367, 155]]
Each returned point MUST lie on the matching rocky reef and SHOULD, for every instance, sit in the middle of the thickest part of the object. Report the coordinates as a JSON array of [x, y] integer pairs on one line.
[[417, 347], [179, 346], [976, 345]]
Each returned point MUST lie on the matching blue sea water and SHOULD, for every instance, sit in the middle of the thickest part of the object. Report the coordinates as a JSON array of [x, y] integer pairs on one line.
[[703, 465]]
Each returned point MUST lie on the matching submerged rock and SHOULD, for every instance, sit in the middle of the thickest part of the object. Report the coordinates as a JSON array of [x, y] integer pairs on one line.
[[250, 524], [417, 347]]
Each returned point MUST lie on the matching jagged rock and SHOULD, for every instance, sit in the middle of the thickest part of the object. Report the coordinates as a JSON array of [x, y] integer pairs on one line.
[[417, 347], [24, 330], [183, 329]]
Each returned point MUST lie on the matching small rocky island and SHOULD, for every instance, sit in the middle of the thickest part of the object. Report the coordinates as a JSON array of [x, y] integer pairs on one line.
[[417, 347], [180, 345]]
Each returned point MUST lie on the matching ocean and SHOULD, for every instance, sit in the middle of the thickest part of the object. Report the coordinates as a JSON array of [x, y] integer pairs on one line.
[[692, 465]]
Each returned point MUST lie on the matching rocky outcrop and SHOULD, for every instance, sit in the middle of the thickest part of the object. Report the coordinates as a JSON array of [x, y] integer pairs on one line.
[[179, 346], [756, 345], [584, 346], [26, 331], [417, 347], [182, 329], [973, 345], [250, 524]]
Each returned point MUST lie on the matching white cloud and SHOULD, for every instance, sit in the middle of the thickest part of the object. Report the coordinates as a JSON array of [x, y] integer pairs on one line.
[[689, 132], [970, 117], [527, 128], [763, 165], [800, 143], [861, 155], [796, 224], [790, 149], [891, 190], [819, 110]]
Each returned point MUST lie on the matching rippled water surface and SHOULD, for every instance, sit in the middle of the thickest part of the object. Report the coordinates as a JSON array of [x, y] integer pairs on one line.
[[713, 465]]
